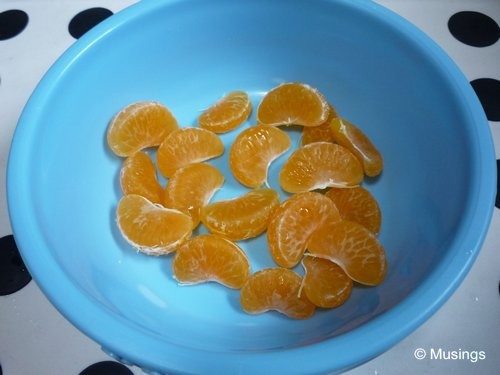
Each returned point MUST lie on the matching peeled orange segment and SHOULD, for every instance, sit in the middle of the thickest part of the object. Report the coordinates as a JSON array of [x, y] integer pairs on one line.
[[151, 228], [139, 125], [353, 247], [359, 205], [293, 103], [211, 258], [191, 187], [242, 217], [320, 165], [351, 137], [138, 176], [320, 133], [325, 284], [227, 113], [293, 223], [187, 146], [275, 289], [252, 152]]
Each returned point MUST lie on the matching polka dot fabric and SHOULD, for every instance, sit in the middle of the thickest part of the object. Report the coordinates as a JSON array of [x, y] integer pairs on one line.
[[474, 28], [13, 272], [106, 368], [86, 19], [477, 29], [12, 23], [33, 335]]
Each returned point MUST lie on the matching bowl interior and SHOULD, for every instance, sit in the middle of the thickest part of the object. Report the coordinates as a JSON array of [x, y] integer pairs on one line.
[[186, 54]]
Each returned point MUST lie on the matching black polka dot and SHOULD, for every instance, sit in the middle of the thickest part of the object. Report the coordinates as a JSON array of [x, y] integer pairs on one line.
[[13, 272], [87, 19], [497, 200], [12, 23], [474, 28], [106, 368], [488, 91]]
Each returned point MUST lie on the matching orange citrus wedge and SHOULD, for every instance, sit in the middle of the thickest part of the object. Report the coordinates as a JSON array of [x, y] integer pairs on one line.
[[275, 289], [293, 103], [138, 176], [353, 247], [211, 257], [151, 228], [357, 204], [227, 113], [320, 133], [320, 165], [351, 137], [187, 146], [139, 125], [293, 223], [252, 152], [325, 283], [191, 187], [243, 217]]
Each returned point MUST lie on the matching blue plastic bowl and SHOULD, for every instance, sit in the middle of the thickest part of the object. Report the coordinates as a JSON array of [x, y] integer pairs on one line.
[[379, 71]]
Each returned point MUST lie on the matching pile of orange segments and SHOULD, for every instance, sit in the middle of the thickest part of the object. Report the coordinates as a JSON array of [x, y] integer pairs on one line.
[[328, 223]]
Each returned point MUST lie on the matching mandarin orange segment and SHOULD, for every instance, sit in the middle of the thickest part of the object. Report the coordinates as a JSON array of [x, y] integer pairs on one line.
[[227, 113], [191, 187], [293, 103], [351, 137], [138, 176], [252, 152], [325, 284], [187, 146], [294, 222], [151, 228], [275, 289], [320, 133], [359, 205], [211, 257], [320, 165], [353, 247], [243, 217], [138, 126]]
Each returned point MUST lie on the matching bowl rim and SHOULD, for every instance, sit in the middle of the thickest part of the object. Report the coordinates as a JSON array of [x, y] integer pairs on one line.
[[400, 320]]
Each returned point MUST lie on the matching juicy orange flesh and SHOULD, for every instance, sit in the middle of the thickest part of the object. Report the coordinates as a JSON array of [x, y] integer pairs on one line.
[[227, 113], [138, 176], [243, 217], [253, 151], [150, 227], [320, 165], [351, 137], [325, 283], [187, 146], [320, 133], [352, 247], [338, 228], [211, 258], [357, 204], [293, 103], [294, 222], [191, 187], [138, 126], [275, 289]]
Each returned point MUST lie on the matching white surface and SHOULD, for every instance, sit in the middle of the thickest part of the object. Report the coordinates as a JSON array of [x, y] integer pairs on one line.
[[36, 339]]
